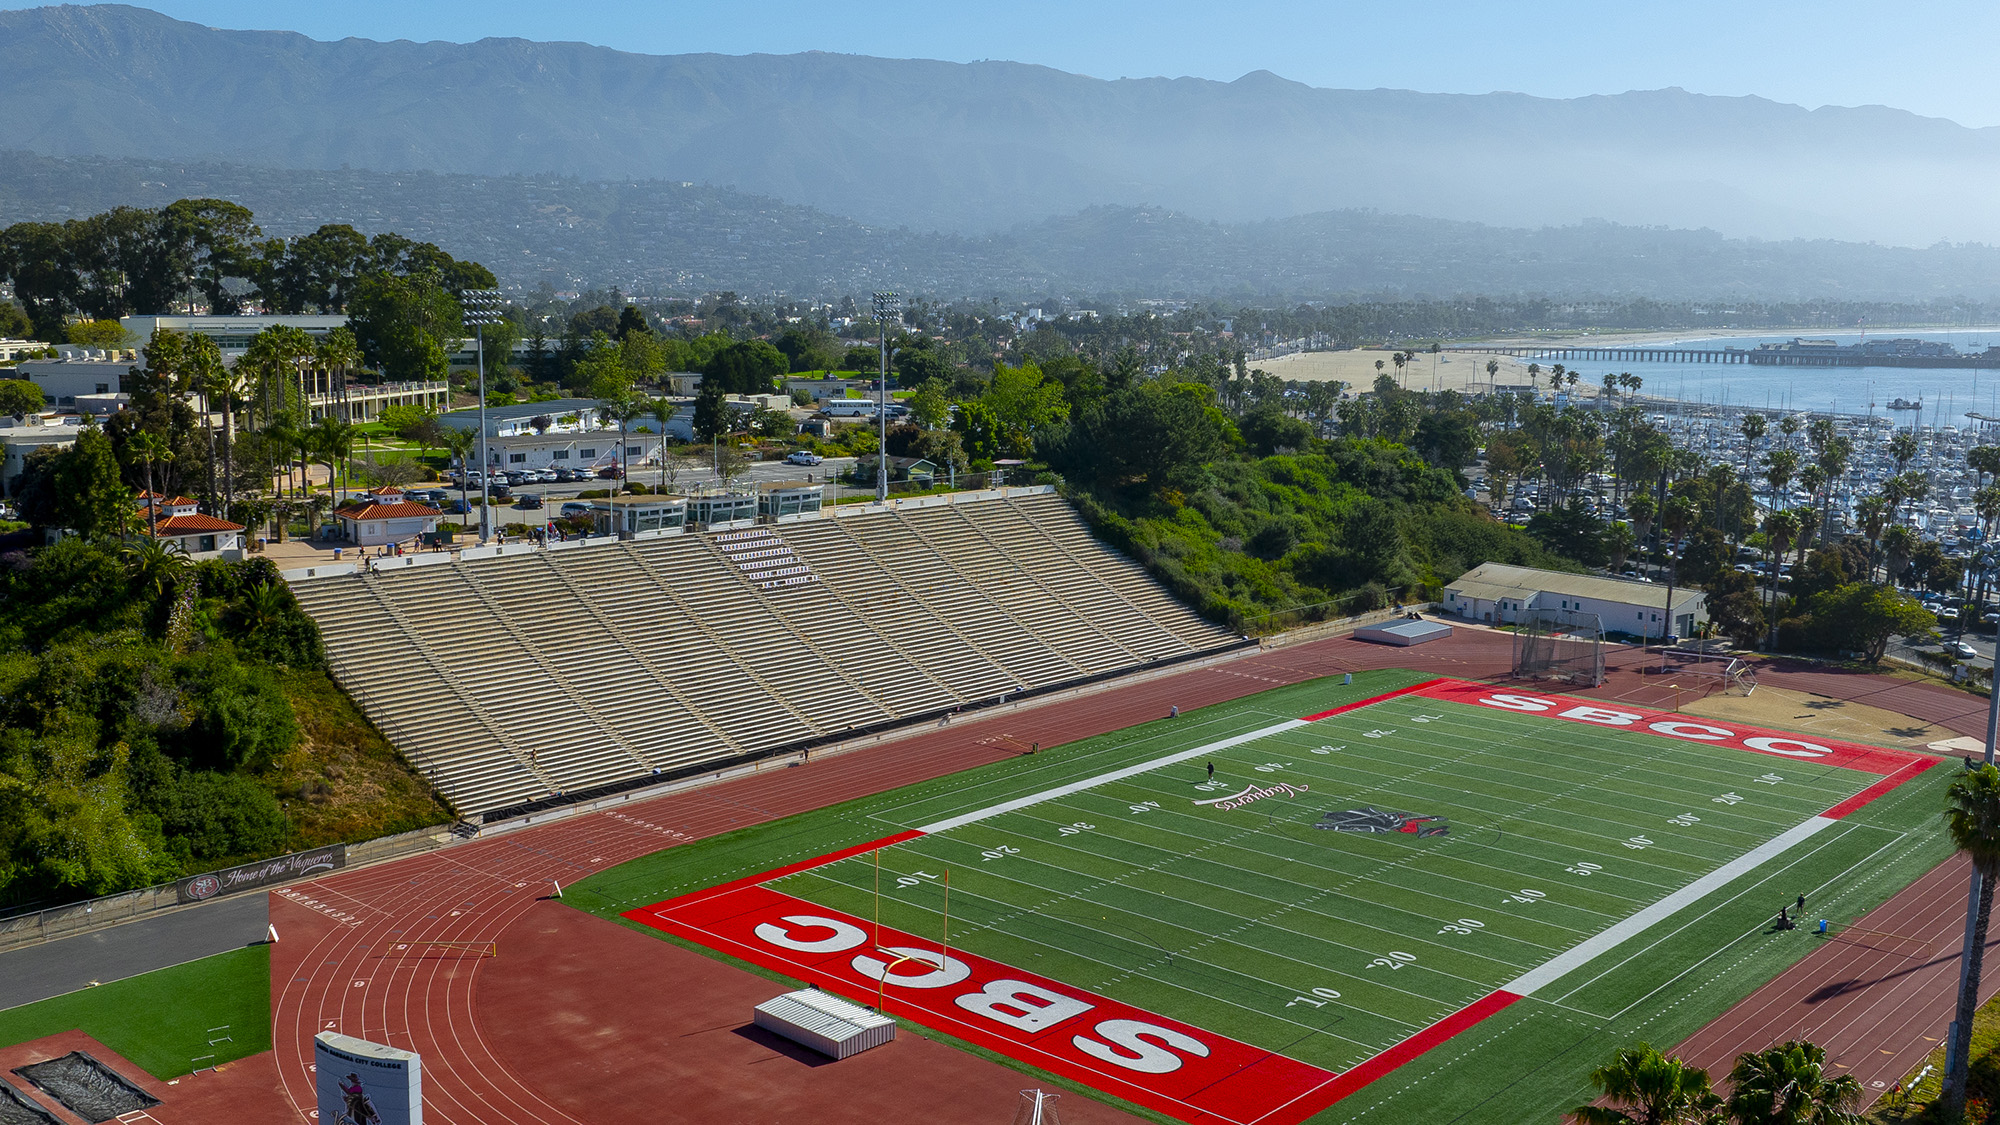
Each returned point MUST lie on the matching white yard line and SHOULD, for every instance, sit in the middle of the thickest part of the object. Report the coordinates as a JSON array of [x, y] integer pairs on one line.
[[1583, 953], [1061, 791]]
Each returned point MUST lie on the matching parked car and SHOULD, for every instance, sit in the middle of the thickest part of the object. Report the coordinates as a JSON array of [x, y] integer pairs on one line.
[[459, 507], [575, 508], [803, 457], [546, 476], [529, 501], [611, 472], [499, 490], [565, 475]]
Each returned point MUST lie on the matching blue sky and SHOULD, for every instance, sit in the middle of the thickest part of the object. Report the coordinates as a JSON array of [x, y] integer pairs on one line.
[[1928, 57]]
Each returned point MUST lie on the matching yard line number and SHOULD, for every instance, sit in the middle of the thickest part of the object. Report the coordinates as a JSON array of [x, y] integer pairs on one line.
[[1073, 829], [1525, 897], [1318, 999], [1394, 959], [1462, 926]]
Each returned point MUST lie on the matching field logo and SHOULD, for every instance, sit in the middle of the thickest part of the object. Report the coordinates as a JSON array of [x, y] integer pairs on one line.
[[1371, 819], [1255, 792], [203, 886]]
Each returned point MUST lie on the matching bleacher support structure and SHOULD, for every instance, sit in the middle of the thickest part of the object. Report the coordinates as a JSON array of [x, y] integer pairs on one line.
[[525, 676]]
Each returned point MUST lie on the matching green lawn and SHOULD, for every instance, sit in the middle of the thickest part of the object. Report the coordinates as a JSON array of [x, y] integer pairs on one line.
[[1328, 946], [162, 1020]]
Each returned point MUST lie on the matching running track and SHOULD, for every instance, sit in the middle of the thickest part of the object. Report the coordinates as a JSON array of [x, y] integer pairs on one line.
[[344, 972]]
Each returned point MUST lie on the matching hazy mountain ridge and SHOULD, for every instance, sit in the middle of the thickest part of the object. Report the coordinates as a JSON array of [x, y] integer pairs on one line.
[[980, 147], [670, 237]]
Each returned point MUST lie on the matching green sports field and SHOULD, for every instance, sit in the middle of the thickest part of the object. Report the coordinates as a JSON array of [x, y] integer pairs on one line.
[[165, 1020], [1341, 885]]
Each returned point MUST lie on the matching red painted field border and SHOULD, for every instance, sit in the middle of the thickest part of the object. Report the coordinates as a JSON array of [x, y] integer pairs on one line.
[[1374, 699], [789, 869], [1880, 788], [1361, 1074]]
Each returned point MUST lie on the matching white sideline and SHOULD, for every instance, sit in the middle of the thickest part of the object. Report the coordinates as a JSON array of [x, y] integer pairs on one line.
[[1548, 972], [1115, 775]]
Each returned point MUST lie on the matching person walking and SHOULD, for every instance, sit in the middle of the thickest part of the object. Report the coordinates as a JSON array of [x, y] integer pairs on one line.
[[1211, 771], [1174, 712]]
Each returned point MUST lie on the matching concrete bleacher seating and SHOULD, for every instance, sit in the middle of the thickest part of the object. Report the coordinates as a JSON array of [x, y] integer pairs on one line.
[[509, 680]]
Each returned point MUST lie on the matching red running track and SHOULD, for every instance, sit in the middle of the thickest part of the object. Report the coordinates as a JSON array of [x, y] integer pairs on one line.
[[336, 966]]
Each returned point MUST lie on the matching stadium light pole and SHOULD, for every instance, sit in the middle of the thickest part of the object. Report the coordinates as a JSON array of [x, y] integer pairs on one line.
[[885, 305], [479, 308]]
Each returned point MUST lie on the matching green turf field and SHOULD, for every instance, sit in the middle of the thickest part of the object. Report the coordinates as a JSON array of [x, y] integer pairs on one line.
[[162, 1020], [1329, 945]]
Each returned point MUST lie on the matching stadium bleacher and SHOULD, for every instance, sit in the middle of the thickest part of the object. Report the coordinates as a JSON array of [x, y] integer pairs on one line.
[[549, 674]]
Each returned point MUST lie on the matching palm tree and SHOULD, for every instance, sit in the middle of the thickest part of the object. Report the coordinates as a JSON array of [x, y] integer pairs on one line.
[[1984, 460], [1492, 370], [333, 440], [1789, 1085], [624, 410], [1899, 543], [1874, 513], [1972, 818], [147, 447], [662, 411], [1779, 466], [1676, 517], [1903, 448], [1789, 426], [1753, 426], [1648, 1088], [1534, 372], [337, 352], [1780, 528], [152, 567], [1401, 358], [461, 443]]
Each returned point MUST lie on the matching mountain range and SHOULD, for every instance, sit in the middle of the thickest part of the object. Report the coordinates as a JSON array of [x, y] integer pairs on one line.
[[979, 148], [678, 238]]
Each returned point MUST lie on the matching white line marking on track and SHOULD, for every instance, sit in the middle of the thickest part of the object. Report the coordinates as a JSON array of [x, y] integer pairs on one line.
[[1589, 949], [1062, 791]]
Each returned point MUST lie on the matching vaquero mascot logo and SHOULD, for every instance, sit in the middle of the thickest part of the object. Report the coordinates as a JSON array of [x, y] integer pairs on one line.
[[1370, 819]]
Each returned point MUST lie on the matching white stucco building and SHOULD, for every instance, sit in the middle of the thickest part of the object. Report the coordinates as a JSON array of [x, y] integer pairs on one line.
[[384, 517], [1496, 594]]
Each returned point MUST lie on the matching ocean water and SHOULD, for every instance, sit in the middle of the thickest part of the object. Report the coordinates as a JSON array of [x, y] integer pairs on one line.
[[1947, 393]]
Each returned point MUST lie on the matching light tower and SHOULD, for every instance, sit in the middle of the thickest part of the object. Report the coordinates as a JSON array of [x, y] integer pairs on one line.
[[481, 307], [886, 305]]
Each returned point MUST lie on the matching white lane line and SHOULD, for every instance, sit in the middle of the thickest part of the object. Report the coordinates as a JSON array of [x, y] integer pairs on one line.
[[1548, 972], [1061, 791]]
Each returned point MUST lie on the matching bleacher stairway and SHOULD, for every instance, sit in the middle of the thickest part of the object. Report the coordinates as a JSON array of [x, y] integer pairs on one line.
[[511, 680]]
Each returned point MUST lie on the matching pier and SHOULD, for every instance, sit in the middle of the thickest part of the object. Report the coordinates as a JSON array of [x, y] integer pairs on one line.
[[1761, 357], [1614, 355]]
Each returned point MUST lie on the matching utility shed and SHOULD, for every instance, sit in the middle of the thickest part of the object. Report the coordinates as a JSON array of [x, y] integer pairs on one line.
[[1404, 633], [828, 1024]]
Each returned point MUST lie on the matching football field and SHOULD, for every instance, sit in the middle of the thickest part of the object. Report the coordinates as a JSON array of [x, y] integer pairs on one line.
[[1240, 915]]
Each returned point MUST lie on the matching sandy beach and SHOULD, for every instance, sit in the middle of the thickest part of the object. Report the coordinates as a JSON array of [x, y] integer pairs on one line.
[[1457, 371]]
